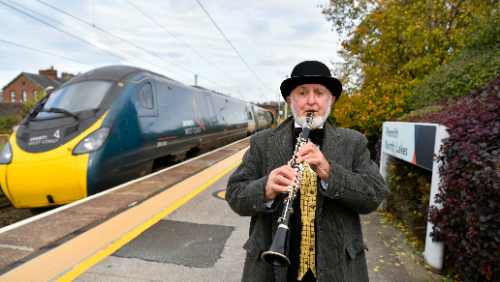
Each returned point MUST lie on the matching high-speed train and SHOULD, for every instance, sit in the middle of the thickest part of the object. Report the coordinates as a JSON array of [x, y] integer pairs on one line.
[[111, 125]]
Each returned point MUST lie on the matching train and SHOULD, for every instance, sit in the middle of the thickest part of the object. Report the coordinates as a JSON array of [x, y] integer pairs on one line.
[[111, 125]]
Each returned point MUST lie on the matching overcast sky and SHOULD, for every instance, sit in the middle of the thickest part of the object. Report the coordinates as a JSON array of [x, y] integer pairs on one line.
[[271, 36]]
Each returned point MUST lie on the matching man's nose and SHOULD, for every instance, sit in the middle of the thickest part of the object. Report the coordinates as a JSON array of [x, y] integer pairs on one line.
[[311, 100]]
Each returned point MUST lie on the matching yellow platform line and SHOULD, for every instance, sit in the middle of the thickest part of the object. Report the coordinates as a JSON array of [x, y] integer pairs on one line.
[[73, 258]]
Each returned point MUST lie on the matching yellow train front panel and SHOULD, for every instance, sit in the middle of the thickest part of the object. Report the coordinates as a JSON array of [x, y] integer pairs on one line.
[[31, 184], [55, 177]]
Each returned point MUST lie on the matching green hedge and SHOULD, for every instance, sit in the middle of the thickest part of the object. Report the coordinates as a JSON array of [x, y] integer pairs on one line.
[[7, 122], [478, 63]]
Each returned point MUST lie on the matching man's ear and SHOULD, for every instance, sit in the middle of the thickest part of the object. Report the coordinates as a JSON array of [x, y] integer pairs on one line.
[[288, 101], [333, 101]]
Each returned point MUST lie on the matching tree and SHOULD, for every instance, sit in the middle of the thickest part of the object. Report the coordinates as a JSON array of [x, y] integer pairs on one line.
[[390, 46]]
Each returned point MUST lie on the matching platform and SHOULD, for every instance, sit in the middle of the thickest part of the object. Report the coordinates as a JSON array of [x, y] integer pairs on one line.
[[173, 225]]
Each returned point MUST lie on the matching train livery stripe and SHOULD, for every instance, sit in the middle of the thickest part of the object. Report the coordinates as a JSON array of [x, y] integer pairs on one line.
[[139, 80], [71, 259]]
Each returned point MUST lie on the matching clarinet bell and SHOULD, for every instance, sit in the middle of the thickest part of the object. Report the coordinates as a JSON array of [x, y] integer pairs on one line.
[[276, 255]]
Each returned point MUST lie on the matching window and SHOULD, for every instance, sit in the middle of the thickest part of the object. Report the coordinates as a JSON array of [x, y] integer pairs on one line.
[[145, 96], [13, 96], [35, 95], [25, 96], [76, 97], [250, 116]]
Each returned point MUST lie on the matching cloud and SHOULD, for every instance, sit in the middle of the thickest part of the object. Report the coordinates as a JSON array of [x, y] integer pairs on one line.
[[271, 36]]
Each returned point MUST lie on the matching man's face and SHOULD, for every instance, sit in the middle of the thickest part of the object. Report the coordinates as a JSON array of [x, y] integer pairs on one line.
[[311, 97]]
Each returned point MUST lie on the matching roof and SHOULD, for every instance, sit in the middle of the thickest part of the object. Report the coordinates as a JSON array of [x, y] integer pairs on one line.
[[41, 80]]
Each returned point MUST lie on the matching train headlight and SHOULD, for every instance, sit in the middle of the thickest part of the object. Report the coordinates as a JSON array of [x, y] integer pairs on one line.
[[6, 156], [93, 141]]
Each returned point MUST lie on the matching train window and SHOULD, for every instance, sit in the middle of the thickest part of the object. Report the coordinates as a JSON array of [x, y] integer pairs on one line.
[[146, 96], [250, 116], [76, 97]]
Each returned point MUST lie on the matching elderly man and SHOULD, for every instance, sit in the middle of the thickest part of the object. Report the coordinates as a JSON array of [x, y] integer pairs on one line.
[[340, 182]]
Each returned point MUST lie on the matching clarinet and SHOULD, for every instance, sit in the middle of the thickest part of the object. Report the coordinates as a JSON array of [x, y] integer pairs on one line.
[[276, 255]]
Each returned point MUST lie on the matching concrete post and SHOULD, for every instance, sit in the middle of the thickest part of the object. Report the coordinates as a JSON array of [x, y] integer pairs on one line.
[[434, 251]]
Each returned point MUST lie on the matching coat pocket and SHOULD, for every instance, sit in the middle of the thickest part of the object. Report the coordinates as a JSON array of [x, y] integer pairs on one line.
[[354, 247], [252, 248]]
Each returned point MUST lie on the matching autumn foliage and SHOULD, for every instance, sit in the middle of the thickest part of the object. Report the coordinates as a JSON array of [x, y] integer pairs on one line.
[[390, 47]]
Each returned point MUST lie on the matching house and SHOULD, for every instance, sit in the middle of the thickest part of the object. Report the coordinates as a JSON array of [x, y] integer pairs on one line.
[[26, 85]]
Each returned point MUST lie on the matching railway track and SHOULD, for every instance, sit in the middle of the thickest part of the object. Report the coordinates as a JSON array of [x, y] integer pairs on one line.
[[5, 204], [9, 214]]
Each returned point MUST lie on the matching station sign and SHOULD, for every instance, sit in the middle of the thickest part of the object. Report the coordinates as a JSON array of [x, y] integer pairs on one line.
[[411, 142]]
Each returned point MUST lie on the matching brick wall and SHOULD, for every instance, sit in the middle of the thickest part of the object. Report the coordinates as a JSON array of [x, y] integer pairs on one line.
[[29, 86], [10, 108]]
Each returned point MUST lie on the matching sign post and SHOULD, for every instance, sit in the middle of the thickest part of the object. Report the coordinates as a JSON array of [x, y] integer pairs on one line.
[[416, 143]]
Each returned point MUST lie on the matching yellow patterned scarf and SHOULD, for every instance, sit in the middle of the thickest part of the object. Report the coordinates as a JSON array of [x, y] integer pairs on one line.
[[308, 191]]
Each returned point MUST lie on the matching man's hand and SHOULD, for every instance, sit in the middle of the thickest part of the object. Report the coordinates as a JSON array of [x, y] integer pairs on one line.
[[316, 160], [279, 181]]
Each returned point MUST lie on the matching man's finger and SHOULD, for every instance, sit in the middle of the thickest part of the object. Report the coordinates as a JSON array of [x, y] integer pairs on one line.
[[313, 161], [284, 182], [280, 189], [287, 171], [288, 168]]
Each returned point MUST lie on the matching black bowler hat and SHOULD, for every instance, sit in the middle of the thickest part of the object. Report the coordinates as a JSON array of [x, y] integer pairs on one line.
[[311, 72]]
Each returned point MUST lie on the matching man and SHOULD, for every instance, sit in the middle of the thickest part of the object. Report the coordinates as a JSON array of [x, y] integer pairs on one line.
[[340, 182]]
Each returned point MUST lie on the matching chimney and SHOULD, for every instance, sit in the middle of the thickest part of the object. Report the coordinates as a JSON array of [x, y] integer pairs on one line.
[[67, 75], [51, 72]]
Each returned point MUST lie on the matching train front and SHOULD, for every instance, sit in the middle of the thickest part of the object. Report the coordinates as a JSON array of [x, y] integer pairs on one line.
[[45, 161]]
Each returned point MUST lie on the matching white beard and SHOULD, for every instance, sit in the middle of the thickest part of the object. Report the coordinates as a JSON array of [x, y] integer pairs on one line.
[[317, 122]]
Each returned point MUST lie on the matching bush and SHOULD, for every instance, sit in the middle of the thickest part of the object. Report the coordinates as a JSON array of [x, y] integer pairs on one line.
[[471, 69], [409, 198], [7, 122], [468, 221], [28, 105]]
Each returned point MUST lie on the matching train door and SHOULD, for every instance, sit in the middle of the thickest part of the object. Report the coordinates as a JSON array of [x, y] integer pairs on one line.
[[213, 118], [146, 106], [251, 121], [258, 124]]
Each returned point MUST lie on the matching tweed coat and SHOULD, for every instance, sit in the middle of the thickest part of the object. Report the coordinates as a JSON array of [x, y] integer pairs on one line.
[[355, 187]]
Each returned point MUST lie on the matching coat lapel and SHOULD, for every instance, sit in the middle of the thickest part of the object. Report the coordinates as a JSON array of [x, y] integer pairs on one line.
[[330, 149], [331, 142], [280, 145]]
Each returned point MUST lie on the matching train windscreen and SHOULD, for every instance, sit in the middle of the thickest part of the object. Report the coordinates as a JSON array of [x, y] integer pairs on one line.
[[77, 97]]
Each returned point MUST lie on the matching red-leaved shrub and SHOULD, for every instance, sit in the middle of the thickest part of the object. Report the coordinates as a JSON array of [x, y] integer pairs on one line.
[[468, 221]]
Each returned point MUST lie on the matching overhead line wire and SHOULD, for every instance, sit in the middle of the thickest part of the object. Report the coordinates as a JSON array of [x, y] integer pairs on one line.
[[233, 46], [61, 11], [115, 36], [69, 34], [94, 38], [183, 43], [24, 7], [19, 45]]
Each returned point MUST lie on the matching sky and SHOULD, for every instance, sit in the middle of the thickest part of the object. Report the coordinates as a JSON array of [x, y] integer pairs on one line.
[[174, 38]]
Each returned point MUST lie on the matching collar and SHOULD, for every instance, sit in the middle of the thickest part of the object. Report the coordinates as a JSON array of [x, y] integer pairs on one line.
[[296, 125]]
